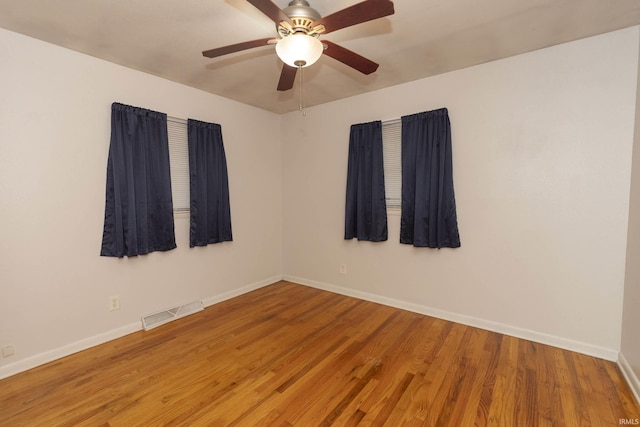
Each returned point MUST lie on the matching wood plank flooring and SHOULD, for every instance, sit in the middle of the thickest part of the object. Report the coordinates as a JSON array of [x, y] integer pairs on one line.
[[290, 355]]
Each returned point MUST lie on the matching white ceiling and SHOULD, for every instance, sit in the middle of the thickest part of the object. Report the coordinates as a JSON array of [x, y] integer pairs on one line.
[[423, 38]]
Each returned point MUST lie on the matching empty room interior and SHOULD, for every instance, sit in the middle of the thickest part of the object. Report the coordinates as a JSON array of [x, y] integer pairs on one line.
[[533, 320]]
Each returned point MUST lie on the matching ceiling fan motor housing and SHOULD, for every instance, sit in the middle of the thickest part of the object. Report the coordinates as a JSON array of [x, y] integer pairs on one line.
[[302, 16]]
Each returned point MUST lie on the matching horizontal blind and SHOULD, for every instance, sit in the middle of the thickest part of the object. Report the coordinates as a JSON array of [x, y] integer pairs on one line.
[[179, 163], [392, 155]]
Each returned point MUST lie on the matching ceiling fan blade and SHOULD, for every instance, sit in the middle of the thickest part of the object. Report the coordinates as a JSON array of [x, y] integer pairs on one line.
[[350, 58], [367, 10], [271, 10], [212, 53], [287, 77]]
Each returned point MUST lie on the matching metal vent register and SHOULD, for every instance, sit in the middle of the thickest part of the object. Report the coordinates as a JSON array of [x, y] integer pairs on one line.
[[153, 320]]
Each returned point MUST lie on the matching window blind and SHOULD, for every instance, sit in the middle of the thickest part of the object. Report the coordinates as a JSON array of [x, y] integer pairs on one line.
[[179, 163], [392, 155]]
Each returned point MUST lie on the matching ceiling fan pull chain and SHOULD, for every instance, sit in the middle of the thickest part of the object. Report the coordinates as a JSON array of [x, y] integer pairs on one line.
[[304, 113]]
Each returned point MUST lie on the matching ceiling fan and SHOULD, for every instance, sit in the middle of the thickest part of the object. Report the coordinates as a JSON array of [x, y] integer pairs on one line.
[[299, 27]]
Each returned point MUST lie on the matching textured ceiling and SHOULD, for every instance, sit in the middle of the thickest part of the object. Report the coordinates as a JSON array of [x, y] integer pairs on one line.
[[423, 38]]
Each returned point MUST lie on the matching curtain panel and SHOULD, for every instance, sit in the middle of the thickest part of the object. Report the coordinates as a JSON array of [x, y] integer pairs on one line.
[[428, 216], [209, 185], [138, 215], [366, 209]]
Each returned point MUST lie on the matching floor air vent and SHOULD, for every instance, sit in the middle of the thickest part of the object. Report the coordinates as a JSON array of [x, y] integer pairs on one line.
[[150, 321]]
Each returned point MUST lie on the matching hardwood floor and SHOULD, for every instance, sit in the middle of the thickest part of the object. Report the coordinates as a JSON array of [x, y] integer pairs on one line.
[[289, 355]]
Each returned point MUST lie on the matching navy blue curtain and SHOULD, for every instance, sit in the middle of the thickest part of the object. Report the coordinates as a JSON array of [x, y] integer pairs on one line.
[[138, 215], [209, 185], [428, 217], [366, 208]]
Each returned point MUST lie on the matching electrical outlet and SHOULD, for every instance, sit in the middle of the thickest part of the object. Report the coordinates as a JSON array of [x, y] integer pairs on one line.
[[343, 268], [114, 302], [8, 351]]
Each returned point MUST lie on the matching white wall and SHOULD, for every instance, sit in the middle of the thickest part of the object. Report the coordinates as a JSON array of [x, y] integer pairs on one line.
[[630, 350], [54, 138], [542, 160], [542, 163]]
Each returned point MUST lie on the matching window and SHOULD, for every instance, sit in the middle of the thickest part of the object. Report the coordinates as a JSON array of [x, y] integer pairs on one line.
[[179, 163], [392, 155]]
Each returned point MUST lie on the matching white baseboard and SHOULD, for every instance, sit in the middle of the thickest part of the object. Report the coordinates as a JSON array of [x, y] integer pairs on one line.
[[240, 291], [604, 353], [66, 350], [564, 343], [630, 376]]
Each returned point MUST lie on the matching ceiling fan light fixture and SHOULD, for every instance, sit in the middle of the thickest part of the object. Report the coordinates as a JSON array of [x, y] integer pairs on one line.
[[299, 50]]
